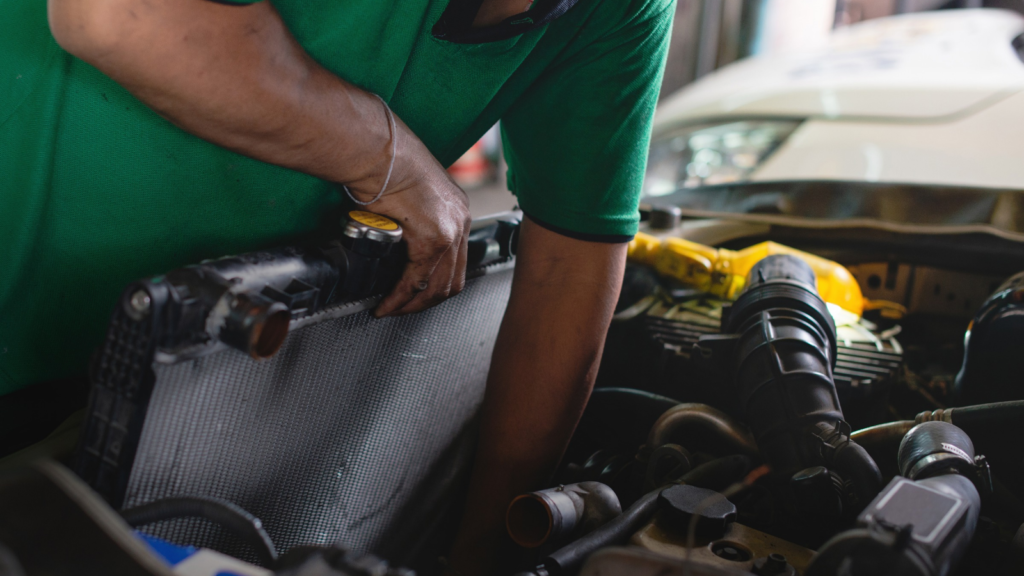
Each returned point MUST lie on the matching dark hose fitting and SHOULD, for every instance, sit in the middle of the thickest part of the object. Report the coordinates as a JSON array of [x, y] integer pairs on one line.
[[776, 356], [854, 464], [936, 448], [255, 324], [556, 514]]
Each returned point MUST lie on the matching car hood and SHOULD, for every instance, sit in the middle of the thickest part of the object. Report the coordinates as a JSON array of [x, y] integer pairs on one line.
[[918, 67]]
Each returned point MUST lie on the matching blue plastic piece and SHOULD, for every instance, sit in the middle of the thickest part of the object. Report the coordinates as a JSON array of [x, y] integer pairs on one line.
[[171, 553]]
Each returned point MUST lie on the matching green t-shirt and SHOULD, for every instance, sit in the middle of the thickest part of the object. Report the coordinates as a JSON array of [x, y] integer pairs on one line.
[[96, 190]]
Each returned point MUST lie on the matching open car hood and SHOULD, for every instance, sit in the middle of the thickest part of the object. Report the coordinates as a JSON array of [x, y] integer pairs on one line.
[[920, 67]]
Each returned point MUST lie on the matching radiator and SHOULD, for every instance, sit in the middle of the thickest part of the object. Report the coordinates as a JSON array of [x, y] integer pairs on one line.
[[358, 431]]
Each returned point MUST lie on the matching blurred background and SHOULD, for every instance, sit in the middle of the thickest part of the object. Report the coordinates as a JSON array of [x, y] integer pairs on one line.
[[709, 34]]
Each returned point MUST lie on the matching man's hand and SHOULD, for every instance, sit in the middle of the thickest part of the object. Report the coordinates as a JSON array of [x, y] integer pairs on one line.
[[233, 75], [434, 213]]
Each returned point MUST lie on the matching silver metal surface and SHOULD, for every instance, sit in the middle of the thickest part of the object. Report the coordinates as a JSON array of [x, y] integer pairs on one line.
[[358, 431], [139, 303], [355, 229]]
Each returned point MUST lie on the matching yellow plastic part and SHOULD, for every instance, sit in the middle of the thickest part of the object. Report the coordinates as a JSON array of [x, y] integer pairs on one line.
[[723, 273]]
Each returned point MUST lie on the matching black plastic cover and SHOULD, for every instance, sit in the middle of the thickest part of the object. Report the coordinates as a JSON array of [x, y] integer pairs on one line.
[[680, 503]]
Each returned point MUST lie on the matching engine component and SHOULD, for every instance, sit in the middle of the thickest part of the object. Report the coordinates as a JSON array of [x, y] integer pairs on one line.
[[664, 217], [978, 416], [252, 323], [248, 301], [986, 420], [714, 512], [774, 564], [937, 448], [716, 474], [639, 562], [776, 357], [739, 547], [704, 424], [556, 514], [206, 419], [725, 273], [882, 434], [920, 524], [867, 362], [993, 364]]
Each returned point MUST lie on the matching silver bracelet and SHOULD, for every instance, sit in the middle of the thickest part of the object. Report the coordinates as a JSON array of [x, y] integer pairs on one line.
[[393, 131]]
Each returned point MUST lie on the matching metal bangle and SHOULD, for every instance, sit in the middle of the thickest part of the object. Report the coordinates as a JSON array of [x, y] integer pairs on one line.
[[393, 132]]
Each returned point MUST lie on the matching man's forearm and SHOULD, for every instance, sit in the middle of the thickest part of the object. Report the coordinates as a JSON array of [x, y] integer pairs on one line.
[[543, 369], [231, 75]]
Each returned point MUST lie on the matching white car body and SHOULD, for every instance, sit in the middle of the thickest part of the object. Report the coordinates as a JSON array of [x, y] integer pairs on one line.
[[926, 98]]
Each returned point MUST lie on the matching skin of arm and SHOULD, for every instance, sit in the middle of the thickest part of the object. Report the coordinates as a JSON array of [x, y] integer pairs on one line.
[[233, 75], [543, 369]]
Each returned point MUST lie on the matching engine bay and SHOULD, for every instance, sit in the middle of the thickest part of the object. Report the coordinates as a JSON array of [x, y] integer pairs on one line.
[[772, 400], [773, 433]]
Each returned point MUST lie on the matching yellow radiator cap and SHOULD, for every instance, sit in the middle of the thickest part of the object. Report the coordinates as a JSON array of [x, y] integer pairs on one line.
[[373, 220]]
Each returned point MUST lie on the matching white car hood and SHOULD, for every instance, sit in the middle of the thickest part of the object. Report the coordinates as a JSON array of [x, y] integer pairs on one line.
[[918, 66]]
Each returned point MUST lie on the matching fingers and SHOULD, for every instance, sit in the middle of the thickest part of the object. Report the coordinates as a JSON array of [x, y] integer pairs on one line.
[[459, 278], [430, 277], [439, 286], [415, 280]]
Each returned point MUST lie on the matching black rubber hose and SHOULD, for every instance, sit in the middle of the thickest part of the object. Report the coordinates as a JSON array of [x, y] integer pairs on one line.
[[614, 532], [715, 475], [987, 415], [854, 463], [235, 519]]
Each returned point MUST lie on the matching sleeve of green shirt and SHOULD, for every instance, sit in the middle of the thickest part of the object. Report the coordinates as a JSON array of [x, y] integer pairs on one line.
[[576, 142]]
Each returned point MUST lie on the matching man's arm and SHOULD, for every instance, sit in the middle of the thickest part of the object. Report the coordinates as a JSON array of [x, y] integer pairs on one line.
[[544, 365], [233, 75]]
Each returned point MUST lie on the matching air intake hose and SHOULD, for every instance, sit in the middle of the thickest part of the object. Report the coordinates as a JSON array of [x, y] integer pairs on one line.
[[776, 356]]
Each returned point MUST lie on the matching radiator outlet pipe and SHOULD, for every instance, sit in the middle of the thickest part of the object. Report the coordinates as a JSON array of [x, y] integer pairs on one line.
[[557, 514], [254, 324]]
